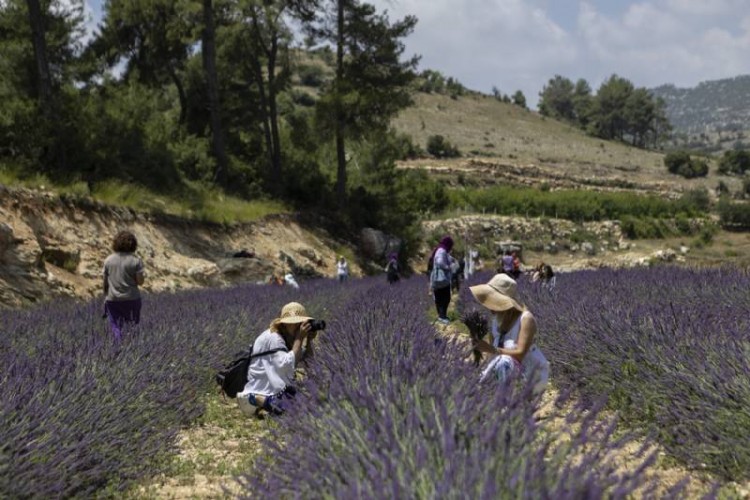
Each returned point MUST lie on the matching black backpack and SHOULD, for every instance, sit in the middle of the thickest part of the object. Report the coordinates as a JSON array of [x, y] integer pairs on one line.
[[233, 377]]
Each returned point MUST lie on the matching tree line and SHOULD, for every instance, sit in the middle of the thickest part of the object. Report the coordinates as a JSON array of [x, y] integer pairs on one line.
[[618, 111], [172, 92]]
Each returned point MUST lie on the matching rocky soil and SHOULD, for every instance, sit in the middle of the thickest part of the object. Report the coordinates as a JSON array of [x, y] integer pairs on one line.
[[565, 244], [54, 247]]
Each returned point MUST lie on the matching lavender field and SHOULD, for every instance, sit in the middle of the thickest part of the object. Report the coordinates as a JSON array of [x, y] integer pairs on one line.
[[389, 408]]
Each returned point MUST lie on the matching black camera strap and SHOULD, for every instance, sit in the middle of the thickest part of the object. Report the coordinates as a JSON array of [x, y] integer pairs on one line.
[[272, 351]]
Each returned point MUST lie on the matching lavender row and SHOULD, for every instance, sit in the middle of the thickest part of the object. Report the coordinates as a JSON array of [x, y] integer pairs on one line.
[[80, 412], [668, 346], [390, 409]]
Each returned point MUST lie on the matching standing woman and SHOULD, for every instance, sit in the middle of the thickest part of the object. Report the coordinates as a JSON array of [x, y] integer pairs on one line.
[[514, 331], [439, 266], [391, 269], [123, 273], [342, 269]]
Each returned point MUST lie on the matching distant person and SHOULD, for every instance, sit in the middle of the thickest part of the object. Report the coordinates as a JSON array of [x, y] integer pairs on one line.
[[123, 274], [342, 269], [457, 269], [289, 280], [516, 271], [514, 332], [506, 263], [548, 278], [270, 376], [439, 266], [391, 269]]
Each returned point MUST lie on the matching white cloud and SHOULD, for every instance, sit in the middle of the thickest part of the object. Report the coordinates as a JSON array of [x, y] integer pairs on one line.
[[654, 43], [507, 43]]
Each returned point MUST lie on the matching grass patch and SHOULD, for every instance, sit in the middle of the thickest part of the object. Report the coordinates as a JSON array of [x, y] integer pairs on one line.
[[575, 205], [191, 200]]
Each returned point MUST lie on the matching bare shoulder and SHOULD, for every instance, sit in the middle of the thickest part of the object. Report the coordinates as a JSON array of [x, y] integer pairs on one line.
[[528, 318]]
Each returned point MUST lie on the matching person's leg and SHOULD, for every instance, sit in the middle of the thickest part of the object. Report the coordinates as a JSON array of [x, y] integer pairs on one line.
[[442, 300], [115, 318], [136, 311]]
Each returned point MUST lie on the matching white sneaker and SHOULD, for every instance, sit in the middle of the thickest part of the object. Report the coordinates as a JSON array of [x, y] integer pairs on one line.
[[444, 321]]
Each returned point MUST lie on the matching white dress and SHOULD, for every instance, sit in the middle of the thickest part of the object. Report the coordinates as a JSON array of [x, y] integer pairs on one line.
[[534, 363]]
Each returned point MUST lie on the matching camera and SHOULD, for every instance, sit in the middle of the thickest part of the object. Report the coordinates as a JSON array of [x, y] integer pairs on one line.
[[317, 325]]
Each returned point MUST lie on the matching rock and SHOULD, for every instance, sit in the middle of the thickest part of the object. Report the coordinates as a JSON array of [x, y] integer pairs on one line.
[[667, 255], [63, 256], [310, 254], [244, 270], [684, 249], [205, 274], [376, 245], [575, 247], [588, 248]]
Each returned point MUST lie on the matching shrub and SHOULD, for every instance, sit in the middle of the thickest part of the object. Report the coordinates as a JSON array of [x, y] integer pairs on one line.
[[311, 75], [734, 215], [735, 162], [680, 163], [439, 147]]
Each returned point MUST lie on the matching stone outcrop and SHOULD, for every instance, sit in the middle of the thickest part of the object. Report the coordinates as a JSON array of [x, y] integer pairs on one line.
[[52, 246], [377, 245]]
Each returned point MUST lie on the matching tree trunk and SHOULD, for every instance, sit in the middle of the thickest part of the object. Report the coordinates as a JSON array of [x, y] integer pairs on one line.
[[55, 154], [212, 86], [276, 172], [180, 93], [263, 109], [339, 119], [44, 80]]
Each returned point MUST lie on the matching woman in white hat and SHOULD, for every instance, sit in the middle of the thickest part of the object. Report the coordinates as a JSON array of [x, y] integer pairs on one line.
[[276, 353], [513, 331]]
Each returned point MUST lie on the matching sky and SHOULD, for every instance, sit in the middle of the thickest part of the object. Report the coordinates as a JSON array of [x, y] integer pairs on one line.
[[521, 44]]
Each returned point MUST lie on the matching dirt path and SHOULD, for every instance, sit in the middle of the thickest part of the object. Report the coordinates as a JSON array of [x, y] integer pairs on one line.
[[211, 453]]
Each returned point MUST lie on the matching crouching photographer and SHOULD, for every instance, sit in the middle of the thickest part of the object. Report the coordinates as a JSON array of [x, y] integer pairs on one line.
[[276, 353]]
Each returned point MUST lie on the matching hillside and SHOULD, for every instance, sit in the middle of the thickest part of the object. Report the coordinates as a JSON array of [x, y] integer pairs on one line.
[[504, 143], [718, 105], [52, 246]]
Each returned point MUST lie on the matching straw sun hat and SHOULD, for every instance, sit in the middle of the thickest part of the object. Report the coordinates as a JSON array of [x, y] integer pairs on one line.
[[499, 294], [291, 314]]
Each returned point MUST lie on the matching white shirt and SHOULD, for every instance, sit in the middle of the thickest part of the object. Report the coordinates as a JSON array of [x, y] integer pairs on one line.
[[342, 268], [270, 374]]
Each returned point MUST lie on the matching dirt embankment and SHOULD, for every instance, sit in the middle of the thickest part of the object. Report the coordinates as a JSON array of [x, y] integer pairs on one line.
[[54, 247]]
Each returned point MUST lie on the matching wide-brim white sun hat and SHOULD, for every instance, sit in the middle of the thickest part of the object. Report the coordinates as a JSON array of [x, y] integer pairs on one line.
[[499, 294]]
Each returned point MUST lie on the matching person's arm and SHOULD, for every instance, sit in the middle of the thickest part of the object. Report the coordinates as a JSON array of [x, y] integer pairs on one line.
[[525, 341]]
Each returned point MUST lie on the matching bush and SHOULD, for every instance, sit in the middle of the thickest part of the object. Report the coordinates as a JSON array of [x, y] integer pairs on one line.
[[439, 147], [680, 163], [735, 162], [734, 215], [311, 75]]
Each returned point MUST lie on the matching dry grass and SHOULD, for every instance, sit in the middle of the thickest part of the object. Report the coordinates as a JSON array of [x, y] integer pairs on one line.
[[483, 127]]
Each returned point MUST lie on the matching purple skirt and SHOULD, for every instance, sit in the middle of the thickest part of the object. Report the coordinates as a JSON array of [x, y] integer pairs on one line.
[[121, 313]]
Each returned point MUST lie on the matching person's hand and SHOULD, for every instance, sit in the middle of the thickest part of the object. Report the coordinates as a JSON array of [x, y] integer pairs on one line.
[[483, 346], [304, 330], [312, 335]]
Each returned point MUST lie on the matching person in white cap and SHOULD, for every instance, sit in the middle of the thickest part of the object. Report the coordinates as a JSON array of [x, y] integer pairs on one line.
[[513, 330], [270, 376]]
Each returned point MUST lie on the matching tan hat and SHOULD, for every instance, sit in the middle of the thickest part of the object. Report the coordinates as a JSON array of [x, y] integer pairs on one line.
[[291, 314], [499, 294]]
